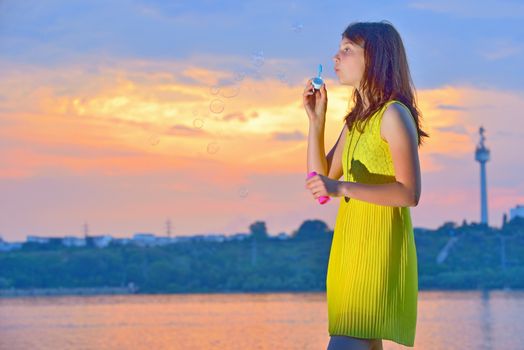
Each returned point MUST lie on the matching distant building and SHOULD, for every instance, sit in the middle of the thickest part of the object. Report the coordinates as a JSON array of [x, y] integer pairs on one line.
[[180, 239], [149, 239], [101, 241], [164, 240], [144, 239], [122, 241], [139, 239], [215, 238], [238, 237], [282, 236], [198, 238], [72, 241], [125, 241], [517, 211], [37, 239], [6, 246]]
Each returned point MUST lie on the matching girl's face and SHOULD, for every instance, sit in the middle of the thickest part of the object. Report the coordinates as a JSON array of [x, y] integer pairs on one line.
[[349, 63]]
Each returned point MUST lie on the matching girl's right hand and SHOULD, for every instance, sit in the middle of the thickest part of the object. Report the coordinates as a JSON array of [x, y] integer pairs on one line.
[[315, 102]]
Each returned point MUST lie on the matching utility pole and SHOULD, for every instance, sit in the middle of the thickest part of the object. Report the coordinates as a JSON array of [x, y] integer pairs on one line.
[[168, 228], [86, 229]]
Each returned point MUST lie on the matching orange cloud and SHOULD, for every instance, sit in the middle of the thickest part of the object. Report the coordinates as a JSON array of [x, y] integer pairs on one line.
[[135, 110]]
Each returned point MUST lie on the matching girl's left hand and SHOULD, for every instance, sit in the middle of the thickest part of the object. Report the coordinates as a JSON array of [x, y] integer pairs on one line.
[[321, 185]]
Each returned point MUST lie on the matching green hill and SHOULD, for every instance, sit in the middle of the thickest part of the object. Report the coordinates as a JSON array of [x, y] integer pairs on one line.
[[451, 257]]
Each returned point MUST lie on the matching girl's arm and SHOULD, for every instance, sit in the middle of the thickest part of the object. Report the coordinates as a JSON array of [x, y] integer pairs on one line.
[[316, 154], [400, 132]]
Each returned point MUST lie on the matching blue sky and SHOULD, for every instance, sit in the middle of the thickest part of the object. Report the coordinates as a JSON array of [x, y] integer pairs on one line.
[[447, 42]]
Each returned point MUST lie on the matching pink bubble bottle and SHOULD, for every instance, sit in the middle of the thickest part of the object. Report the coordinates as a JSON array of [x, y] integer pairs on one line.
[[321, 199]]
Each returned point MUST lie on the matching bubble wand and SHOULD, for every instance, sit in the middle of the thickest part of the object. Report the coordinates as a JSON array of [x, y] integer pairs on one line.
[[317, 81]]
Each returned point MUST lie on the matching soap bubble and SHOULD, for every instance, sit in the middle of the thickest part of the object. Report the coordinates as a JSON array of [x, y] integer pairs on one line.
[[297, 27], [214, 89], [213, 147], [216, 106], [230, 91], [198, 123], [239, 75], [258, 58], [282, 76], [243, 192], [154, 140]]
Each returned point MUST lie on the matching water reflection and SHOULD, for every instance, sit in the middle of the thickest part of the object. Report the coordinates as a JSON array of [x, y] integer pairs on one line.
[[446, 320], [485, 320]]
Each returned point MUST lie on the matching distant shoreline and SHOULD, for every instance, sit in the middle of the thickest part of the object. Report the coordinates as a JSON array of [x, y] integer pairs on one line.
[[14, 292]]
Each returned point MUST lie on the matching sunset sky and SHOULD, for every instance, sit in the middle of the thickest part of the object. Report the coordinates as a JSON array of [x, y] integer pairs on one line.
[[124, 114]]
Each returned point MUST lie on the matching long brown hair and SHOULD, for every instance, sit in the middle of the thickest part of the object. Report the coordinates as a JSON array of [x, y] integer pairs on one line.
[[386, 75]]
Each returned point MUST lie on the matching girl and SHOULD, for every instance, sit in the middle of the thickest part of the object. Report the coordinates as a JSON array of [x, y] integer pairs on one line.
[[371, 283]]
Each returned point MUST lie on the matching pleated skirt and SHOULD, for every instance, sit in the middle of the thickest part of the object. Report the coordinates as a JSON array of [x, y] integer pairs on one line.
[[372, 282]]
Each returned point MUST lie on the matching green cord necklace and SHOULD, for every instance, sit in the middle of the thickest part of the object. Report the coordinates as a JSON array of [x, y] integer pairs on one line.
[[347, 158]]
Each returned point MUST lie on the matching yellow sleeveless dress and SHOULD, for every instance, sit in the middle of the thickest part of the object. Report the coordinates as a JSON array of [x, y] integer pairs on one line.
[[372, 282]]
